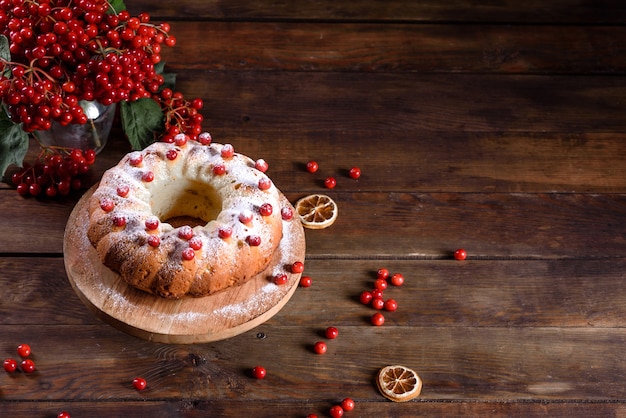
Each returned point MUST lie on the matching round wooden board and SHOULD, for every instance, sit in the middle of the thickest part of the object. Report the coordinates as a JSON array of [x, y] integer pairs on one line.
[[184, 321]]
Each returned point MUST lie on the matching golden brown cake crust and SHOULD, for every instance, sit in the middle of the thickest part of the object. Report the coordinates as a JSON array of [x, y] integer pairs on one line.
[[173, 182]]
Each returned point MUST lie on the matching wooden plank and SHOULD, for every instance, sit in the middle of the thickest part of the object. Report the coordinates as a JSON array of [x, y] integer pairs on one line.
[[438, 162], [455, 363], [295, 104], [408, 225], [254, 46], [510, 11], [232, 408], [501, 293]]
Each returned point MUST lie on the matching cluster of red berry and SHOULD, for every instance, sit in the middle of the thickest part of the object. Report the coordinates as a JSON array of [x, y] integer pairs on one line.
[[182, 116], [56, 172], [331, 182], [64, 51], [27, 365], [375, 299]]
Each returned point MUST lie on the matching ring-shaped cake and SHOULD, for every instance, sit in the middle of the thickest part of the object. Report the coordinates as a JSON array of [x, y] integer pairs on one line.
[[185, 219]]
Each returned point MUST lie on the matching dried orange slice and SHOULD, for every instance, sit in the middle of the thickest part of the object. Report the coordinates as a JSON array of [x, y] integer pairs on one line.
[[398, 383], [316, 211]]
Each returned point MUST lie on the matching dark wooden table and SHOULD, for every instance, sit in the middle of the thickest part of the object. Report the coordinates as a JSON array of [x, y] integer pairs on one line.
[[496, 127]]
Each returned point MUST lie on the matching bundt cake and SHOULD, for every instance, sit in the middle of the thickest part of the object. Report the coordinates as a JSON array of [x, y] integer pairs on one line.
[[185, 219]]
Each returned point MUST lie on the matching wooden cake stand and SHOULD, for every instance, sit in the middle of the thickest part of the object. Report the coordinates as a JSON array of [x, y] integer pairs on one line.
[[184, 321]]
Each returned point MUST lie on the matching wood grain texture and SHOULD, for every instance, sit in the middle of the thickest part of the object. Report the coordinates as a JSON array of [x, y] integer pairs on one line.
[[509, 11], [493, 126], [368, 47]]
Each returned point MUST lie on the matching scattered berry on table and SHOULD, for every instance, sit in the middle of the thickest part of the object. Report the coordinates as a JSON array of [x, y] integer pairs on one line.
[[366, 297], [330, 182], [140, 383], [377, 294], [306, 281], [355, 172], [347, 404], [10, 365], [28, 366], [460, 254], [397, 279], [259, 372], [23, 350], [320, 347], [312, 166], [382, 273], [63, 414], [378, 319], [391, 305], [332, 333], [378, 303], [380, 284], [336, 411]]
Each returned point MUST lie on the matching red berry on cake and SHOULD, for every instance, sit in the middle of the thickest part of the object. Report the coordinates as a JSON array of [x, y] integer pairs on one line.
[[225, 231], [245, 217], [135, 159], [265, 184], [180, 139], [195, 243], [266, 209], [253, 240], [205, 138], [122, 190], [227, 151], [119, 221], [152, 223], [219, 169], [286, 213], [107, 205], [148, 176], [261, 165], [188, 254], [171, 154], [154, 241], [185, 232]]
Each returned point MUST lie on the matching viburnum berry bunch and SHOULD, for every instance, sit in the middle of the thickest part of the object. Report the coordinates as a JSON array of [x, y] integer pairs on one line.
[[55, 55]]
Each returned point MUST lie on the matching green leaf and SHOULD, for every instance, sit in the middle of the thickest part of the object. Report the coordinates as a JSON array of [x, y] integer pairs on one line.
[[13, 143], [5, 54], [141, 121], [116, 6]]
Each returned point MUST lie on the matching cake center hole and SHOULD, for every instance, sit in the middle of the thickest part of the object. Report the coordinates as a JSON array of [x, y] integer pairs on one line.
[[186, 202]]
